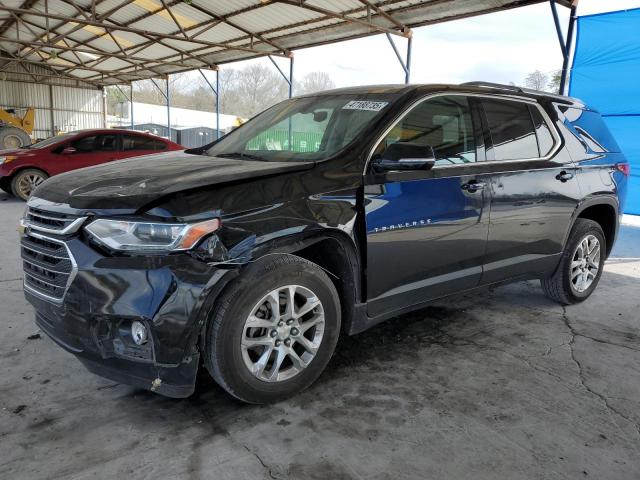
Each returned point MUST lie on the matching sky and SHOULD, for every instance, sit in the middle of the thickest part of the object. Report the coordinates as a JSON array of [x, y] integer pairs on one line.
[[500, 47]]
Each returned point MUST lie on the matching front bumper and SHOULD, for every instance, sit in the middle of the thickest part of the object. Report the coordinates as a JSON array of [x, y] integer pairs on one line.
[[170, 294]]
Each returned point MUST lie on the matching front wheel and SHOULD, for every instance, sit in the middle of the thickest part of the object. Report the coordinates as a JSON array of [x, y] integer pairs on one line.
[[5, 185], [25, 182], [581, 264], [274, 331]]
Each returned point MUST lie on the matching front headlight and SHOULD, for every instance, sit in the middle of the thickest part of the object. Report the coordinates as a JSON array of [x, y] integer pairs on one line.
[[131, 236], [7, 158], [2, 159]]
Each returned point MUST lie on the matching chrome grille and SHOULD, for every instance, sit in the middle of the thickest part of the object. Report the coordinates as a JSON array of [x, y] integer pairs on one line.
[[47, 264], [52, 222]]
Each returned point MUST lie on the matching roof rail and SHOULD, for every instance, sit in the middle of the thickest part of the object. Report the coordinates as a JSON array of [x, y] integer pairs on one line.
[[498, 85], [528, 91]]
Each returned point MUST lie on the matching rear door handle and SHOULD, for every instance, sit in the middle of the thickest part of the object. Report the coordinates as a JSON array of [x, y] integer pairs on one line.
[[472, 186], [564, 176]]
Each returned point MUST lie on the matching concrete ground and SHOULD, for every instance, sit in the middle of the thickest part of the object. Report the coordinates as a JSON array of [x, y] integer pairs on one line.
[[499, 385]]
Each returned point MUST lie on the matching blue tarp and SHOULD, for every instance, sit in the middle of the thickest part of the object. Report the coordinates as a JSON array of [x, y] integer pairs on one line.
[[606, 75]]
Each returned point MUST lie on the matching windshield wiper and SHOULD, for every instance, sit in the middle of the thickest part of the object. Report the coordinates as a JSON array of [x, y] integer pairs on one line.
[[247, 156]]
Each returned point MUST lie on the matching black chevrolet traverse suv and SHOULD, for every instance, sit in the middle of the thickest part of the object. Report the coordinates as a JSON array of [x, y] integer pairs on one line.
[[320, 217]]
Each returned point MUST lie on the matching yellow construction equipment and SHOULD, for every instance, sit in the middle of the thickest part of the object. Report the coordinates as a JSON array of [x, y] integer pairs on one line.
[[15, 131]]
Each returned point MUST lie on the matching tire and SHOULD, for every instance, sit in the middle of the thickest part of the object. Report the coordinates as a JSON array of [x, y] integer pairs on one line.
[[25, 181], [226, 354], [566, 285], [5, 185], [13, 137]]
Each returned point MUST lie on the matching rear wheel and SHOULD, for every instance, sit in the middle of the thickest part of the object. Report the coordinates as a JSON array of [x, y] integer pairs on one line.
[[274, 331], [13, 137], [581, 264], [25, 182]]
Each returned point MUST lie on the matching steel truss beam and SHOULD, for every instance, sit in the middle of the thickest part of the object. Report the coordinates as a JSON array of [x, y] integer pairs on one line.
[[371, 16], [113, 27]]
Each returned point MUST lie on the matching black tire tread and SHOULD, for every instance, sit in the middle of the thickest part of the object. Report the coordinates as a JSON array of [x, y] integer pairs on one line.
[[7, 130], [554, 286], [230, 295]]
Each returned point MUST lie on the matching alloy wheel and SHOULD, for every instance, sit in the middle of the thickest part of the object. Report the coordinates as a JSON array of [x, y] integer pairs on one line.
[[28, 183], [585, 263], [282, 334]]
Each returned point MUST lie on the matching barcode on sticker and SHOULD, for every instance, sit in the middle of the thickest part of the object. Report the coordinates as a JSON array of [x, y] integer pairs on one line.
[[365, 105]]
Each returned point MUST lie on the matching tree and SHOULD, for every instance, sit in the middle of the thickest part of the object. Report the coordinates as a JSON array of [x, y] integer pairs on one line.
[[114, 96], [315, 82], [536, 81], [244, 92], [554, 82]]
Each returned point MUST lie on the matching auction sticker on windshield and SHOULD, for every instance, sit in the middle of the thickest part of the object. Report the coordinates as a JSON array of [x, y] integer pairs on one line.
[[365, 105]]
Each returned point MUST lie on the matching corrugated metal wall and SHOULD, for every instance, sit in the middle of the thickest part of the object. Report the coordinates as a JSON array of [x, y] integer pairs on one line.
[[74, 107]]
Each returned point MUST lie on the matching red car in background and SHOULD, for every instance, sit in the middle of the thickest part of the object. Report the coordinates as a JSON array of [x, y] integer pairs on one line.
[[22, 169]]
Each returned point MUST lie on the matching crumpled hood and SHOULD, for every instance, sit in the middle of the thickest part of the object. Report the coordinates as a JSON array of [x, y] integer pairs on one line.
[[130, 184]]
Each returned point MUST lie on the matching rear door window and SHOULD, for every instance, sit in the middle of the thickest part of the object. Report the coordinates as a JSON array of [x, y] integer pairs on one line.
[[512, 132], [139, 142], [106, 143]]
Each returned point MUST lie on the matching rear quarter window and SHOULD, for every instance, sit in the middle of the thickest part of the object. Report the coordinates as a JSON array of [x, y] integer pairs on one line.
[[591, 129], [543, 132]]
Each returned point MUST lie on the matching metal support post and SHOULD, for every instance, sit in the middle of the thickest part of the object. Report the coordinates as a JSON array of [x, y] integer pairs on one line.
[[166, 97], [565, 44], [406, 63], [288, 79], [130, 99], [556, 21], [565, 64], [168, 108], [217, 104], [215, 93], [291, 76], [131, 102]]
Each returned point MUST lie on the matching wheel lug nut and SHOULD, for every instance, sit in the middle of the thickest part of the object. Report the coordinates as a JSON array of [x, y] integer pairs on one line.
[[278, 342], [294, 331], [287, 342], [290, 321], [273, 333], [281, 323]]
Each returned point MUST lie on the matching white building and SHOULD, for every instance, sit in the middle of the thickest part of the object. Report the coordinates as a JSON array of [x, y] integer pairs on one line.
[[180, 117]]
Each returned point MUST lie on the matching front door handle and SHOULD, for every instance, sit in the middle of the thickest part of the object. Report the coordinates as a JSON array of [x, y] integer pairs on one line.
[[564, 176], [472, 186]]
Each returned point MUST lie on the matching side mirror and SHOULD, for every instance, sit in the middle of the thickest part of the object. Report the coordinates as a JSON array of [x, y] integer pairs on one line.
[[68, 150], [320, 116], [406, 156]]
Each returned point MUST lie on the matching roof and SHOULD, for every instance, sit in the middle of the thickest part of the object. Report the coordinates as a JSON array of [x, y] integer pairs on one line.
[[103, 42], [469, 87]]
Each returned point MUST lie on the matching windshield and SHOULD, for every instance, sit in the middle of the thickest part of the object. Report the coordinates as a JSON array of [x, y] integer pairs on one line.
[[50, 141], [303, 129]]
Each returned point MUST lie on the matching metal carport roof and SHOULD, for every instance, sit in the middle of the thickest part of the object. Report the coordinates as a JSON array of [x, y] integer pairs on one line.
[[105, 42]]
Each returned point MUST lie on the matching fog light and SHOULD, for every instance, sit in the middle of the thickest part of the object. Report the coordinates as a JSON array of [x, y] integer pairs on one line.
[[139, 333]]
